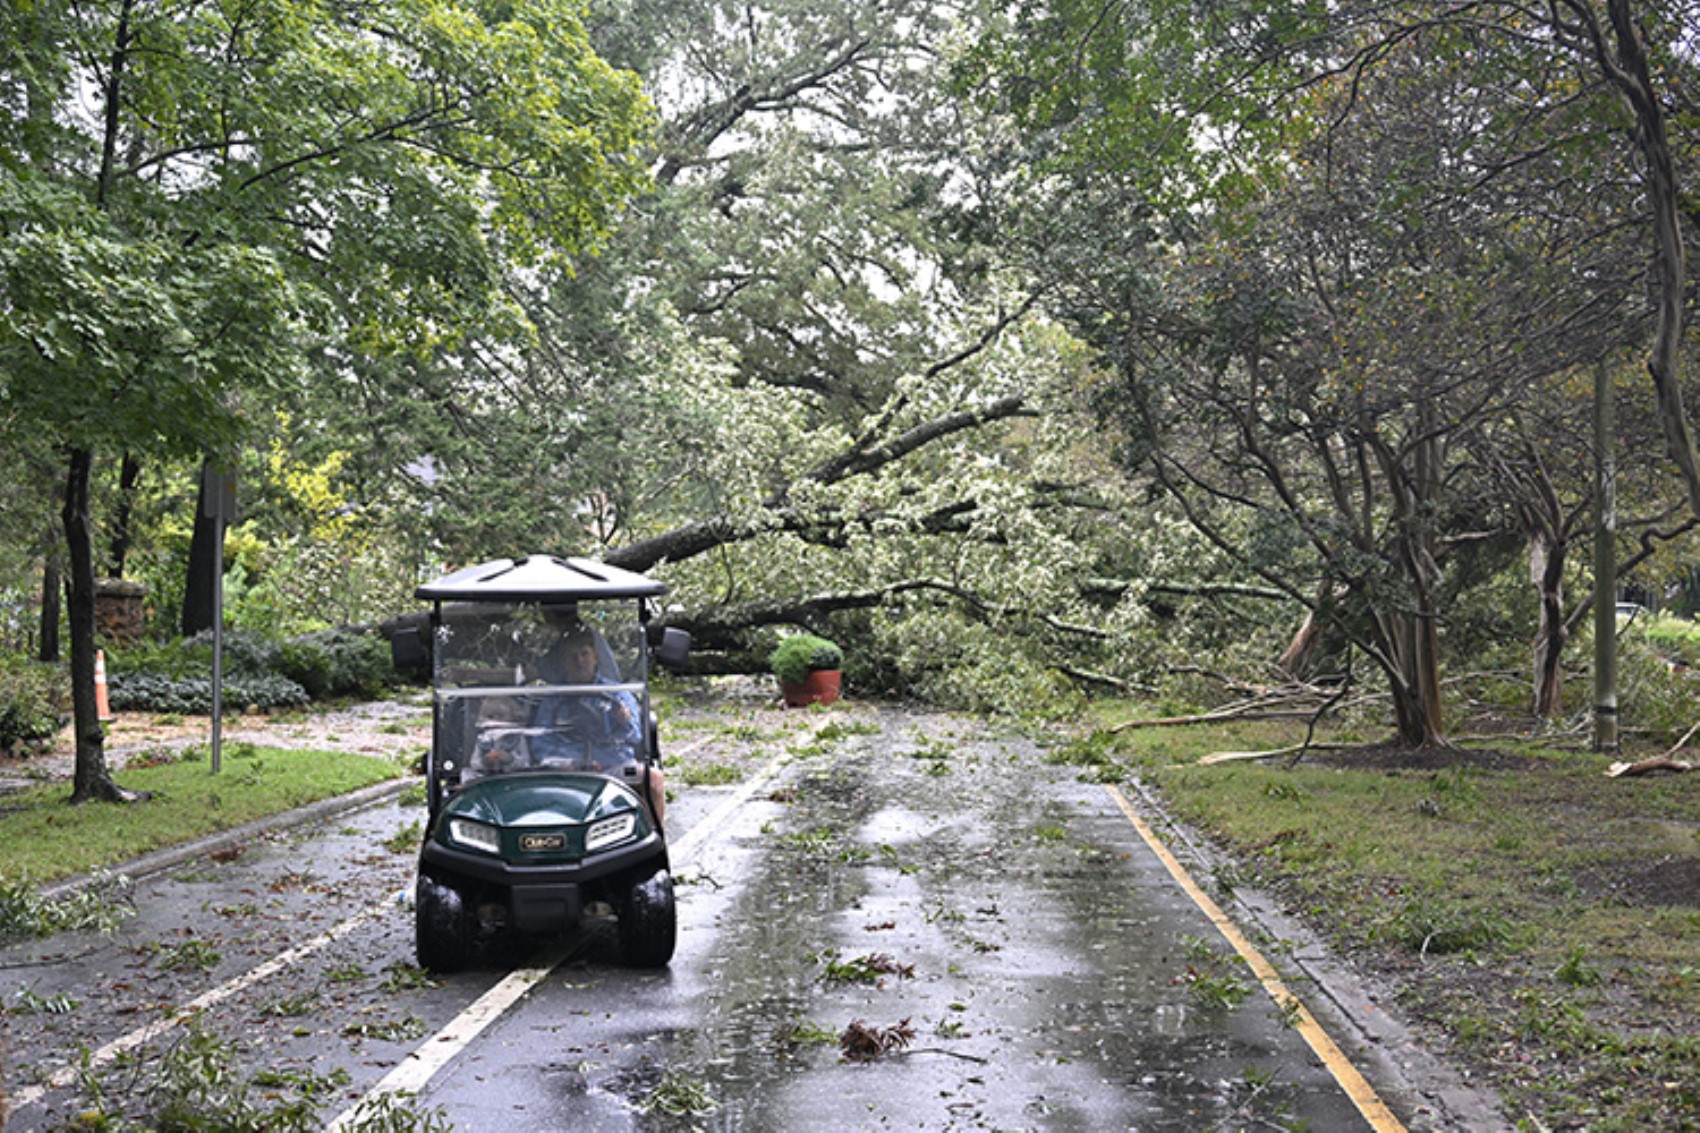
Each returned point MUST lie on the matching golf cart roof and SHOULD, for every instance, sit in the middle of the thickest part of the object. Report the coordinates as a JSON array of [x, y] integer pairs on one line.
[[539, 578]]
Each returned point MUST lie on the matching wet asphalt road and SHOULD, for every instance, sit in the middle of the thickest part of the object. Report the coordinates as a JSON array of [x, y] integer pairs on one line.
[[921, 878]]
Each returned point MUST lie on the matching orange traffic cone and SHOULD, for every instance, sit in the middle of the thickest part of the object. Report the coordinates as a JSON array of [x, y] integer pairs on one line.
[[101, 708]]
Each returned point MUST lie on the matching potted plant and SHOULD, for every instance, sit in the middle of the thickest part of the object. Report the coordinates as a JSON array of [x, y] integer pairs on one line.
[[808, 669]]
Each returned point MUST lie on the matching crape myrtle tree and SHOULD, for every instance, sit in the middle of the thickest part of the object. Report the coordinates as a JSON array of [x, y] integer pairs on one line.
[[1337, 343], [1370, 234], [195, 198]]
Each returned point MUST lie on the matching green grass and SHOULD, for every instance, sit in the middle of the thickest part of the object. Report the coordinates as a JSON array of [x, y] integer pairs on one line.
[[43, 838]]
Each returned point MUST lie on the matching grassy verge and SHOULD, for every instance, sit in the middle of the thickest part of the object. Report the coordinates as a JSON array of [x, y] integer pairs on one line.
[[1544, 919], [43, 839]]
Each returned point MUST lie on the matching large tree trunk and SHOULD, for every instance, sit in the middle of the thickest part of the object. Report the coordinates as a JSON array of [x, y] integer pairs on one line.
[[51, 582], [92, 780], [1413, 677], [1410, 640], [128, 474]]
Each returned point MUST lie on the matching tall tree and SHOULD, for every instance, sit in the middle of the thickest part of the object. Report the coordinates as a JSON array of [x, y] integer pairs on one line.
[[1334, 347], [258, 178], [793, 370]]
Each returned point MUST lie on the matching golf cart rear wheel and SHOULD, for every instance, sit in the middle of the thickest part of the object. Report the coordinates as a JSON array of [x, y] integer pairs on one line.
[[649, 926], [444, 926]]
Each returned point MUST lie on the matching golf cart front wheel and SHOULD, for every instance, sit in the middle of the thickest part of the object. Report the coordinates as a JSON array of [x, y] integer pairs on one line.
[[649, 926], [444, 926]]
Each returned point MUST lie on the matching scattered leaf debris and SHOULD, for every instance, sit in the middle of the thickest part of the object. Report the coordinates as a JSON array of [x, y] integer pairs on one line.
[[863, 1043]]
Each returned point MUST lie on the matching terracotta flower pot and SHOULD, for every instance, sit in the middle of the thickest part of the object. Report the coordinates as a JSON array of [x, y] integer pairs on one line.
[[821, 687]]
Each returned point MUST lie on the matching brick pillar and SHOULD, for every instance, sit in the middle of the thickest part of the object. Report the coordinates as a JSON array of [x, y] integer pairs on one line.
[[120, 610]]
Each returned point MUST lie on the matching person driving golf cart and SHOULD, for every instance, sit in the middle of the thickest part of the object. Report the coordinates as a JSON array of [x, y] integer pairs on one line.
[[600, 729], [575, 725]]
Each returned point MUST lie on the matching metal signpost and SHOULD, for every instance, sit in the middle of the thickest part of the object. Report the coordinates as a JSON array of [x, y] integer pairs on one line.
[[218, 503]]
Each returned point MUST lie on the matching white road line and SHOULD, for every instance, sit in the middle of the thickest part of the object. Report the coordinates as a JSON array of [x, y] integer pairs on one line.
[[99, 1058], [418, 1068], [682, 850]]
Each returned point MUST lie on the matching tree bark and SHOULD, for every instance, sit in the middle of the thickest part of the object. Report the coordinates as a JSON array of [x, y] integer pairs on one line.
[[128, 474], [1295, 660], [51, 582], [1413, 678], [1546, 571], [91, 780], [1411, 641]]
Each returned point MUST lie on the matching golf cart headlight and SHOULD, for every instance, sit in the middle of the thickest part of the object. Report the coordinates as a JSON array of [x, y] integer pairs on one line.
[[475, 835], [609, 831]]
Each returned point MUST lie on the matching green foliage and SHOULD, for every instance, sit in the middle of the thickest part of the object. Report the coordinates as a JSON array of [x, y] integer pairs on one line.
[[193, 1085], [35, 701], [801, 654], [95, 907], [679, 1095], [145, 692], [1653, 694], [1676, 639], [1434, 925], [176, 677], [245, 651], [338, 663], [259, 672]]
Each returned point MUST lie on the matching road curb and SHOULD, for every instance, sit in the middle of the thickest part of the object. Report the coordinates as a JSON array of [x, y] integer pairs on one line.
[[159, 861]]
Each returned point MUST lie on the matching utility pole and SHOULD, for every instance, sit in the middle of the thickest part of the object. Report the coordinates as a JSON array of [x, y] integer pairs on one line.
[[1605, 561]]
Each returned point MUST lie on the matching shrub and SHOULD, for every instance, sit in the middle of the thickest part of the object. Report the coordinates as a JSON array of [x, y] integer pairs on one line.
[[801, 654], [258, 672], [35, 701], [246, 651], [159, 693], [337, 663]]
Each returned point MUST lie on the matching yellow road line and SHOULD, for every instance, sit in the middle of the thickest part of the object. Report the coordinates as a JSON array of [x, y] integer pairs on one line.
[[1363, 1095]]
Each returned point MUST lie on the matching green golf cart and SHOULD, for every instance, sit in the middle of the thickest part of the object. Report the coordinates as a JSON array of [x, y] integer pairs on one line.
[[542, 778]]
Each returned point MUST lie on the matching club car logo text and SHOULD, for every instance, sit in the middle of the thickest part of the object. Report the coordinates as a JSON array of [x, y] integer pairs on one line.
[[532, 843]]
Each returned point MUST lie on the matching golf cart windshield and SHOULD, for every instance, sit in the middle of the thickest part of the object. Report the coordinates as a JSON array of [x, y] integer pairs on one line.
[[540, 687]]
